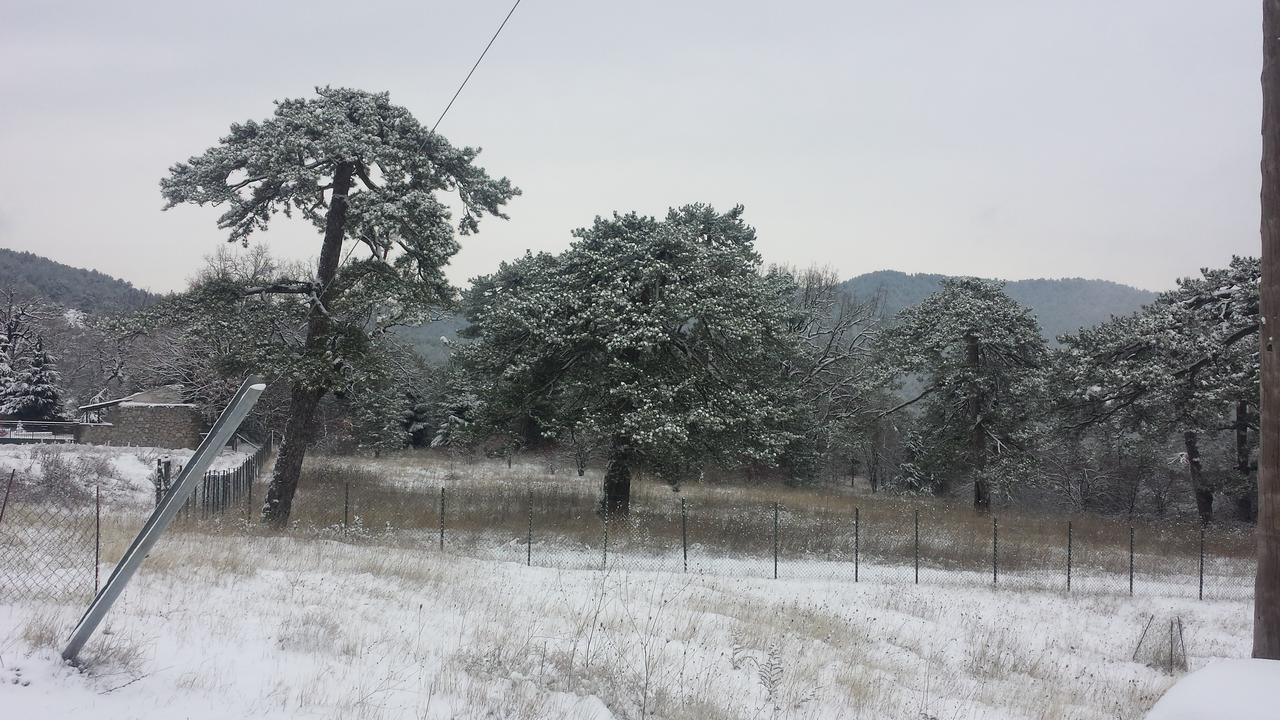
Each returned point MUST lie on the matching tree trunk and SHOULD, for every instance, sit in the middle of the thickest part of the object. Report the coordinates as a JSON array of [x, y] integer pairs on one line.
[[616, 499], [1246, 496], [1204, 495], [977, 433], [288, 468], [873, 467], [304, 396], [1266, 596]]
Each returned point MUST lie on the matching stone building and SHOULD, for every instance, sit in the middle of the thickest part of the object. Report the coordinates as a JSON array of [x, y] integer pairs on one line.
[[151, 418]]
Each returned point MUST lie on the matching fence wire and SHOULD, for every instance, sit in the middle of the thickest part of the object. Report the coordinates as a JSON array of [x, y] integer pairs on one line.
[[897, 541], [49, 543]]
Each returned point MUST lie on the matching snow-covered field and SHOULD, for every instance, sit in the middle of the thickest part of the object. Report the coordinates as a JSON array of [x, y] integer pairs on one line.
[[370, 622], [250, 625]]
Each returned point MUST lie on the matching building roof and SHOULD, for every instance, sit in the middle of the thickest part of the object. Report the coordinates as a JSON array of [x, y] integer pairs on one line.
[[169, 395]]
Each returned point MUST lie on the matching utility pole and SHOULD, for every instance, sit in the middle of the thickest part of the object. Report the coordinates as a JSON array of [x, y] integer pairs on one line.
[[1266, 596]]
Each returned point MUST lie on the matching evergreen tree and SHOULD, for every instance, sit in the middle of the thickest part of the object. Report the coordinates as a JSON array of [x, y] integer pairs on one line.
[[1180, 366], [33, 393], [981, 356], [6, 366], [660, 337], [366, 174]]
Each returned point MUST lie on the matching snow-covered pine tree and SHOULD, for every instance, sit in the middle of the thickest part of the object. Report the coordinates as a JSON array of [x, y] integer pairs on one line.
[[6, 367], [364, 172], [1177, 367], [980, 354], [33, 394], [660, 337]]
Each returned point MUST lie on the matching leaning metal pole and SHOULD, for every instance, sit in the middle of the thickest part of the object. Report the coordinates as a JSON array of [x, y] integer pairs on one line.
[[164, 513]]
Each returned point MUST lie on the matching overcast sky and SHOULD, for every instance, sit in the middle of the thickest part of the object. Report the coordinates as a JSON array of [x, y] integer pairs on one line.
[[1009, 138]]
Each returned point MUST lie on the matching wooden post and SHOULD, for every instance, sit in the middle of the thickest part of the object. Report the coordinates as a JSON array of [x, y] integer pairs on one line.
[[1266, 595]]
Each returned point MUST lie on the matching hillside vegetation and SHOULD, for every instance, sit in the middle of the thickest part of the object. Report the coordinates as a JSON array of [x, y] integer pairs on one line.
[[30, 276], [1061, 305]]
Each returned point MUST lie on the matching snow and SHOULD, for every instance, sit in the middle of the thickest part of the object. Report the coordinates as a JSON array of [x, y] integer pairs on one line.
[[134, 403], [1240, 689], [245, 625], [122, 473]]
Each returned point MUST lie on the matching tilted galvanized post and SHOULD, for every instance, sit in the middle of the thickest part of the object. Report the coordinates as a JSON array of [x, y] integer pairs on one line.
[[212, 444]]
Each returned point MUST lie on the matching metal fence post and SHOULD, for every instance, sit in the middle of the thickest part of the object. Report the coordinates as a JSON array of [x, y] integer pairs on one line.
[[346, 504], [917, 547], [163, 515], [528, 558], [684, 533], [1202, 562], [7, 489], [1068, 556], [856, 531], [442, 517], [97, 533], [604, 561], [1130, 559], [775, 540], [995, 551]]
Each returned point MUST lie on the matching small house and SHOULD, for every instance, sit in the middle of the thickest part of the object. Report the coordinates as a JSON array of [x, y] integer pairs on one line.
[[151, 418]]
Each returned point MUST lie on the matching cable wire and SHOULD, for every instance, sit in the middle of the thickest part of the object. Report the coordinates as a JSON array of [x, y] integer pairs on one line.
[[473, 67]]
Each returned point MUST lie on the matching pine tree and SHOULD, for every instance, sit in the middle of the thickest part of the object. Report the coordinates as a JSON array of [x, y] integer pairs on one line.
[[33, 394], [981, 356], [1175, 368], [6, 367], [660, 338], [367, 175]]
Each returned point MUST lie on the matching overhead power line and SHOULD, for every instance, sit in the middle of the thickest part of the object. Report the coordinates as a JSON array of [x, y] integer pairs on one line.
[[473, 67]]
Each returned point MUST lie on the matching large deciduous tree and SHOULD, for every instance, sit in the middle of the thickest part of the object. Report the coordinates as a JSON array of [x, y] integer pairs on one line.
[[663, 338], [979, 354], [366, 174], [834, 371]]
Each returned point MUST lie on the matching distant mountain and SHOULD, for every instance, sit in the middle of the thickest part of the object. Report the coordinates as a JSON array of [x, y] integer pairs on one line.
[[1061, 305], [31, 276]]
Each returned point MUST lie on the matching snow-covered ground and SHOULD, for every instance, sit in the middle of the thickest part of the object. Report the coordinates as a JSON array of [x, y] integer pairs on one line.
[[1237, 689], [124, 474], [251, 625]]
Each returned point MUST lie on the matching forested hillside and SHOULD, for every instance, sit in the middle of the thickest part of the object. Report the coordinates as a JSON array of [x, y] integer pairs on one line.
[[1061, 305], [31, 276]]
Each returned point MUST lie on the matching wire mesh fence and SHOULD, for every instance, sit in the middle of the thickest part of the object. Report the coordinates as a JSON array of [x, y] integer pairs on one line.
[[50, 541], [899, 542]]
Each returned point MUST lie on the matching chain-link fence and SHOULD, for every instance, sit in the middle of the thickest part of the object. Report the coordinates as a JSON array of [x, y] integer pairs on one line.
[[49, 542], [724, 533]]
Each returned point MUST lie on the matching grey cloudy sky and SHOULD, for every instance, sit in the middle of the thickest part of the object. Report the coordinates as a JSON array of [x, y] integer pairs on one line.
[[1012, 138]]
